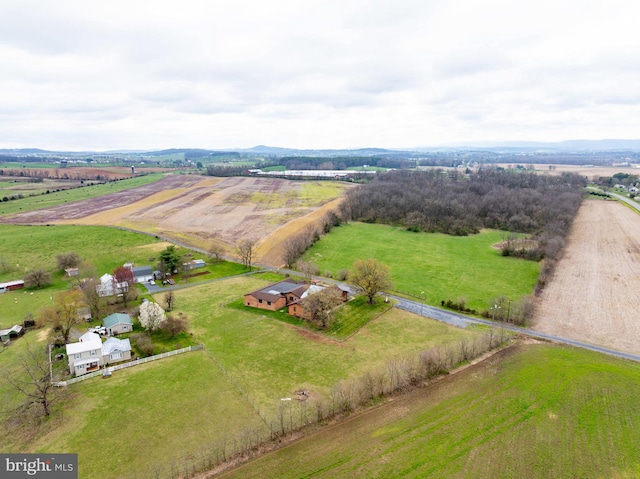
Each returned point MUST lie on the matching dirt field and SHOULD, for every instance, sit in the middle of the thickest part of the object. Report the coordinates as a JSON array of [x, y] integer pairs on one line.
[[200, 211], [593, 294]]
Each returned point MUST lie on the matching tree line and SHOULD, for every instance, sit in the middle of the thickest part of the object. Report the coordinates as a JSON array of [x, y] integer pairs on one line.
[[458, 204]]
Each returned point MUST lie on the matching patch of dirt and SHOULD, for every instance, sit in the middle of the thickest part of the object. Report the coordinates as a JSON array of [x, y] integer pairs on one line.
[[592, 296], [319, 338]]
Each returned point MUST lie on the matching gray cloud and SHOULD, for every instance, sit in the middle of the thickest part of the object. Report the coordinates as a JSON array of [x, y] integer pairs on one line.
[[122, 74]]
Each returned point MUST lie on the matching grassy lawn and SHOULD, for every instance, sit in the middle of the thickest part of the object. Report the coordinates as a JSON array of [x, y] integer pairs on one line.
[[75, 194], [352, 316], [151, 416], [349, 317], [178, 406], [541, 411], [444, 267], [272, 359]]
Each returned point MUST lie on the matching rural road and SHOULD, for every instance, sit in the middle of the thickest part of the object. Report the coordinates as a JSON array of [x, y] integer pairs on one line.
[[462, 321]]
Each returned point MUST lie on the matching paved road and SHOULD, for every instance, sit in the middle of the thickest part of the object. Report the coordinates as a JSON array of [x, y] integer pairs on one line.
[[462, 321]]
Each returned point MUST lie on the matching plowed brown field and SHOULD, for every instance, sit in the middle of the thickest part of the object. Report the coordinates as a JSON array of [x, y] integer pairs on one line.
[[200, 211], [593, 296]]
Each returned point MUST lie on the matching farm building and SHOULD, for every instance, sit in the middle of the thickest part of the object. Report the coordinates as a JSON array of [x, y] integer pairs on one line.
[[72, 271], [142, 274], [11, 285], [11, 333], [275, 296], [196, 263], [118, 323]]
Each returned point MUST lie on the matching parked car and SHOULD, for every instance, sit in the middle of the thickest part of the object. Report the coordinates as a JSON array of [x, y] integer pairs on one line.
[[152, 282], [101, 330]]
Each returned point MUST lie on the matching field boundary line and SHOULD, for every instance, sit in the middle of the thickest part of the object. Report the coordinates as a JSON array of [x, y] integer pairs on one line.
[[242, 392]]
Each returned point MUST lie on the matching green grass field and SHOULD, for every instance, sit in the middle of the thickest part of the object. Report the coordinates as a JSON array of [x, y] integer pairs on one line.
[[444, 267], [541, 411], [177, 406], [75, 194]]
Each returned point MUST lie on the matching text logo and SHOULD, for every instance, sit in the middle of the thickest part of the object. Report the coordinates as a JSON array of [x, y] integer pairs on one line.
[[46, 466]]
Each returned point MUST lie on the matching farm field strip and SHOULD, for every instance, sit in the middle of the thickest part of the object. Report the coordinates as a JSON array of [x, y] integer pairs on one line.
[[534, 410], [591, 297], [199, 210]]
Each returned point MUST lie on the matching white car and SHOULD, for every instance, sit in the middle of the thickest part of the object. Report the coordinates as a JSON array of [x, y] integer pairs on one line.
[[152, 282], [101, 330]]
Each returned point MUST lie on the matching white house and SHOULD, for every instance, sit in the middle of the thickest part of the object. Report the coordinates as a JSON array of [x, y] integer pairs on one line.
[[108, 286], [85, 356]]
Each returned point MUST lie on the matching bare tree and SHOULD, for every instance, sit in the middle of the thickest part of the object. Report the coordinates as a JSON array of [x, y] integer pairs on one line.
[[308, 269], [169, 300], [245, 249], [217, 250], [174, 325], [33, 380], [370, 276], [68, 260], [37, 278], [123, 280], [89, 290], [63, 314], [320, 306]]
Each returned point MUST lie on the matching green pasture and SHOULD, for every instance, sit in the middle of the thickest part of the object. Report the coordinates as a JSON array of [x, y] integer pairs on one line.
[[543, 411], [150, 417], [179, 407], [75, 194], [15, 165], [443, 267], [272, 359]]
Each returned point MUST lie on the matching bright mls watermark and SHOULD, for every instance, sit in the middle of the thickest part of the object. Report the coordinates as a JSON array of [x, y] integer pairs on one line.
[[50, 466]]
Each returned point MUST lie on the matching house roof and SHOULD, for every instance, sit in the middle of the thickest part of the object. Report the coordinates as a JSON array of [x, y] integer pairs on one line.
[[13, 329], [142, 271], [313, 289], [116, 318], [84, 346], [89, 337], [105, 278], [115, 344], [277, 290]]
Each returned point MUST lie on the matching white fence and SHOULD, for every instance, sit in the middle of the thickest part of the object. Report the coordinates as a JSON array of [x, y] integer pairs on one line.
[[136, 362]]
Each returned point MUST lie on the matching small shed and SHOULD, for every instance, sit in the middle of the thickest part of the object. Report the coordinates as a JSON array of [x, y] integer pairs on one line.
[[72, 271], [11, 333], [118, 323]]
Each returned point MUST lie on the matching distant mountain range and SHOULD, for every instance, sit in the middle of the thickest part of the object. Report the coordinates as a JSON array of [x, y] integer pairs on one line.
[[510, 147]]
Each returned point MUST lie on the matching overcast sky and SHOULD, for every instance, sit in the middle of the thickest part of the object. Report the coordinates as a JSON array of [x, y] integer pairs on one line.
[[117, 74]]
